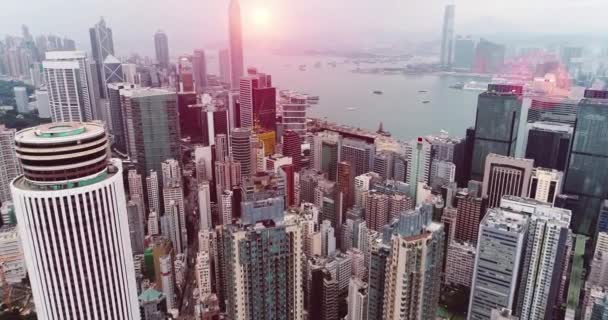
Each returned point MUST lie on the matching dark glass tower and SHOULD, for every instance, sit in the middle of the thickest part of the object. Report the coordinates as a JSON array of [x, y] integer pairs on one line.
[[496, 125], [587, 174], [548, 145]]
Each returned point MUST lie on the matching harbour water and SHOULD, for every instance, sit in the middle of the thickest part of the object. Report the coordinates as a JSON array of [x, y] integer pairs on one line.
[[409, 105]]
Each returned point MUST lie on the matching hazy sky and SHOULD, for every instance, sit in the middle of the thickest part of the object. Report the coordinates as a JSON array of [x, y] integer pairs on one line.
[[203, 23]]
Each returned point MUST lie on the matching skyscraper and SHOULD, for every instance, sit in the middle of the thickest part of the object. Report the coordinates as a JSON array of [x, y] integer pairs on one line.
[[152, 127], [496, 125], [586, 174], [241, 150], [292, 148], [294, 115], [543, 257], [161, 46], [92, 268], [359, 154], [21, 99], [102, 45], [9, 167], [118, 123], [552, 109], [419, 160], [199, 65], [506, 176], [69, 82], [412, 283], [464, 53], [502, 235], [489, 57], [545, 185], [471, 209], [264, 272], [258, 101], [224, 65], [548, 144], [447, 37], [236, 43]]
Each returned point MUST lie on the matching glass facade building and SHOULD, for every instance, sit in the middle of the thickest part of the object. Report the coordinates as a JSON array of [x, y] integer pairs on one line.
[[496, 125], [586, 176]]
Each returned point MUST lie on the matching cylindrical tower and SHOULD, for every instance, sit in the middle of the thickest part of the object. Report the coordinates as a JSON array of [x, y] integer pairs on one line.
[[72, 218]]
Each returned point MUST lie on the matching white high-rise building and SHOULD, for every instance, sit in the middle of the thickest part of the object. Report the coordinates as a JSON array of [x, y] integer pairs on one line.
[[153, 221], [70, 86], [73, 223], [167, 279], [43, 104], [153, 191], [21, 99], [418, 156], [203, 274], [135, 184], [204, 206], [225, 204], [500, 250], [357, 299], [545, 184], [328, 239], [9, 167], [294, 115], [12, 264], [203, 163], [362, 184]]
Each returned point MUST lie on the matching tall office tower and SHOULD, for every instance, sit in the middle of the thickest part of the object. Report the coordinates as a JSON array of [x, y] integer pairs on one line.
[[101, 263], [545, 185], [112, 70], [152, 127], [464, 53], [9, 167], [586, 176], [224, 65], [21, 99], [294, 115], [236, 43], [548, 144], [413, 271], [471, 210], [227, 175], [161, 47], [379, 258], [118, 124], [346, 184], [322, 293], [43, 104], [496, 126], [447, 37], [240, 142], [135, 216], [357, 299], [459, 265], [102, 46], [500, 251], [506, 176], [309, 180], [328, 239], [167, 279], [418, 153], [292, 147], [383, 164], [203, 163], [399, 168], [359, 154], [269, 259], [326, 153], [153, 191], [129, 71], [173, 199], [153, 305], [225, 202], [552, 109], [135, 184], [489, 57], [204, 206], [542, 258], [376, 209], [69, 82], [222, 147], [199, 65], [258, 101], [185, 72]]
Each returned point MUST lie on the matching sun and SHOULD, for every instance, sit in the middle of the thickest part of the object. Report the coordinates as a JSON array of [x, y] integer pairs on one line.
[[261, 17]]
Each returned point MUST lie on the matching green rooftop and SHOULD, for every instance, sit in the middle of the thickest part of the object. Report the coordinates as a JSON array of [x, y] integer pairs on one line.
[[150, 295]]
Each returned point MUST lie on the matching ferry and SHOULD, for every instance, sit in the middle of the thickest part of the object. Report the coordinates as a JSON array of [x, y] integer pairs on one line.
[[426, 101], [351, 109], [378, 92], [422, 91]]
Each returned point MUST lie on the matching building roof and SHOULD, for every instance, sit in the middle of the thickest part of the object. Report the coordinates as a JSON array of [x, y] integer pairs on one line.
[[150, 295]]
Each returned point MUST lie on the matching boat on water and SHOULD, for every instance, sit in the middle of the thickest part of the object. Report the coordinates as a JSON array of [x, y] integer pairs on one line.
[[475, 86], [426, 101], [351, 109], [377, 92], [302, 67], [458, 85], [422, 91]]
